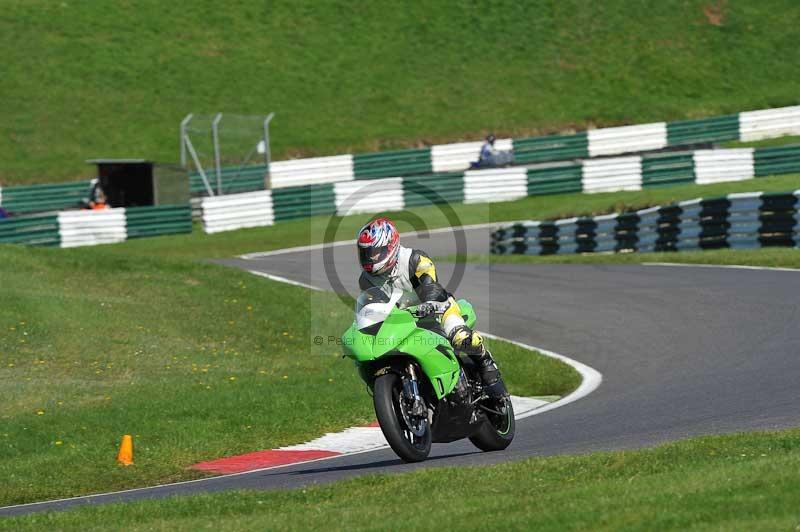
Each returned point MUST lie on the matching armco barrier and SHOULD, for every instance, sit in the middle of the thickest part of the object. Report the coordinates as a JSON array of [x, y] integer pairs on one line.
[[237, 211], [454, 157], [143, 222], [702, 130], [769, 123], [375, 195], [609, 175], [717, 166], [781, 160], [627, 139], [504, 184], [301, 202], [317, 170], [500, 184], [41, 230], [87, 228], [43, 198], [555, 178], [746, 126], [234, 180], [392, 163], [433, 189], [737, 221], [551, 148], [668, 169]]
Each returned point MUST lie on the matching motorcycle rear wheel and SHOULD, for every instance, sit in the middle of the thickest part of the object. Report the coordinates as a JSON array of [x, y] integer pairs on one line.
[[387, 395], [497, 432]]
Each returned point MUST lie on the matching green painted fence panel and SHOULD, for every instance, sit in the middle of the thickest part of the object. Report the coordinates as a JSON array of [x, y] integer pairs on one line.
[[716, 129], [667, 169], [392, 163], [303, 201], [551, 148], [433, 189], [43, 198], [31, 230], [555, 179], [158, 220], [779, 160], [234, 179]]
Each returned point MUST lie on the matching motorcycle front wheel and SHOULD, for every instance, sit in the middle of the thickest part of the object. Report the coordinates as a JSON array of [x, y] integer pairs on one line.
[[410, 438]]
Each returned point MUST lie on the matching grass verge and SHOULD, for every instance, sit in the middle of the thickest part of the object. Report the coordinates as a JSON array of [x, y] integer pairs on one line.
[[732, 482], [196, 361], [763, 257], [786, 140], [343, 78]]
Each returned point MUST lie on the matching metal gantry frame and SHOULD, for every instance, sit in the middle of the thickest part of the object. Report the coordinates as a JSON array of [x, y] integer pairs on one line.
[[267, 154], [188, 147]]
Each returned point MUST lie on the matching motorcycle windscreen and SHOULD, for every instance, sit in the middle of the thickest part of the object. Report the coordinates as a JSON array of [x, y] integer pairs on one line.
[[373, 306]]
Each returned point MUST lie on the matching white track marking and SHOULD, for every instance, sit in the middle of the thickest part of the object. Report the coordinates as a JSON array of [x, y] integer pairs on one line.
[[728, 266], [372, 439], [280, 279], [314, 247], [591, 378]]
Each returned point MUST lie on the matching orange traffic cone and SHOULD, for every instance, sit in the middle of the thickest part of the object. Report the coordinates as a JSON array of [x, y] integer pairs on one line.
[[125, 456]]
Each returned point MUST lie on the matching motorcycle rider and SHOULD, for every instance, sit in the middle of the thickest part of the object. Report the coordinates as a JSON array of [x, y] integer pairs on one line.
[[388, 265]]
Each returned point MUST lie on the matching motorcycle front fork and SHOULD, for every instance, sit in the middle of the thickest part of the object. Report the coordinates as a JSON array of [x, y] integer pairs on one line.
[[411, 392]]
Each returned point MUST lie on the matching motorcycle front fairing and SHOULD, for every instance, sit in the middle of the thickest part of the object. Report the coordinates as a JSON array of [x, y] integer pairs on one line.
[[385, 331]]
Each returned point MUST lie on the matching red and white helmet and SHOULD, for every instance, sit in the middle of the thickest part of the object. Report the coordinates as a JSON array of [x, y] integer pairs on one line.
[[378, 246]]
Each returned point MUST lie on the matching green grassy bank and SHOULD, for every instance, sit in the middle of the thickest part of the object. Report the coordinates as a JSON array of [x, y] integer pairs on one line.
[[90, 79], [742, 482]]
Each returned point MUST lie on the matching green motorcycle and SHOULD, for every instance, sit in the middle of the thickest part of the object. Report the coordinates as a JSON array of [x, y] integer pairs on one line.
[[423, 390]]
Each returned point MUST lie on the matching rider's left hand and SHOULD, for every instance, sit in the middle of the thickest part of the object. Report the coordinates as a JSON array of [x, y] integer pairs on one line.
[[425, 309]]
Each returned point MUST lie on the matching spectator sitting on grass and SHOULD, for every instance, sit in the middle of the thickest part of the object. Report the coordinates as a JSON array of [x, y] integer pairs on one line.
[[487, 150]]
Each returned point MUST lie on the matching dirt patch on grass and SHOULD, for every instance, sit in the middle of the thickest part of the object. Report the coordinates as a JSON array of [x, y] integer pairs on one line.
[[715, 12]]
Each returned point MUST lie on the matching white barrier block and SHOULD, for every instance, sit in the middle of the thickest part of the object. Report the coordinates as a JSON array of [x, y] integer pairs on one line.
[[499, 184], [627, 139], [237, 211], [90, 228], [610, 175], [718, 166], [369, 195], [769, 123], [454, 157], [312, 171]]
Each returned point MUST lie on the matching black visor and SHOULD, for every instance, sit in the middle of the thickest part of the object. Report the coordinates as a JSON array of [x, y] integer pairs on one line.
[[372, 255]]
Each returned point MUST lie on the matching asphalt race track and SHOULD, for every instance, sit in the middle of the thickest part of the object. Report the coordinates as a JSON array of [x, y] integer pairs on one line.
[[683, 351]]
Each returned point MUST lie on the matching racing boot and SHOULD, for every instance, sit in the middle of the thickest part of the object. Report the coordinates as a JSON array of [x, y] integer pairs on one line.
[[493, 383], [470, 342]]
